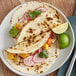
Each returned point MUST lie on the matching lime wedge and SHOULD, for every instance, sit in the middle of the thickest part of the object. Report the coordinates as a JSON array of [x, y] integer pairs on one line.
[[61, 28]]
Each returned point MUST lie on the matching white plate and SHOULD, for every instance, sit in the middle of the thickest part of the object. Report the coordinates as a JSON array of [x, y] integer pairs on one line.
[[6, 41]]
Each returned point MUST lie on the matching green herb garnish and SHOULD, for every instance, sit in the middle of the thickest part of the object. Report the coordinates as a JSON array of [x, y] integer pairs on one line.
[[33, 14], [43, 54], [13, 32]]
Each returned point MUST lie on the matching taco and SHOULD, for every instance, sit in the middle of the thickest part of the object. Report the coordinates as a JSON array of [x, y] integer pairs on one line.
[[31, 12], [35, 62]]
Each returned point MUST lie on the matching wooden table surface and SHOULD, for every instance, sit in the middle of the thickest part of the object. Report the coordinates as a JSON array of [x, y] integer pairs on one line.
[[66, 6]]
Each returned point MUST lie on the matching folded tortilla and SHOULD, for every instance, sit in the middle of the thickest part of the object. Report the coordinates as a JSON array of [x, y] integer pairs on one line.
[[51, 17], [38, 67], [30, 45]]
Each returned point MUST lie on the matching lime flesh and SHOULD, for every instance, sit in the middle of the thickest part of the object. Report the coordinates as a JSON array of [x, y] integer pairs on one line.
[[63, 40], [61, 28]]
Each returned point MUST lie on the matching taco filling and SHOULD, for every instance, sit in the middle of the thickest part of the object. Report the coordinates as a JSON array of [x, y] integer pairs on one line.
[[21, 18]]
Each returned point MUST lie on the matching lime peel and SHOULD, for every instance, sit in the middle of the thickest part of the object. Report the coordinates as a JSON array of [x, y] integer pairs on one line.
[[64, 40]]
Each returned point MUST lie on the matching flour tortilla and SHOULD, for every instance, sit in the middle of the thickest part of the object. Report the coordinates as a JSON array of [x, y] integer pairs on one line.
[[42, 67], [55, 18], [32, 5], [26, 47]]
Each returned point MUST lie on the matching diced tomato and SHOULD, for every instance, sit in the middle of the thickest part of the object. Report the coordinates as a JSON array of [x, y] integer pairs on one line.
[[28, 18], [43, 9], [30, 53], [51, 35], [14, 37], [28, 61], [39, 50], [19, 29], [49, 41], [37, 59]]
